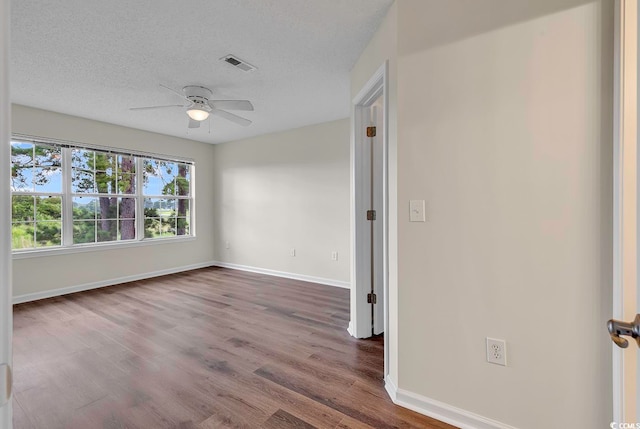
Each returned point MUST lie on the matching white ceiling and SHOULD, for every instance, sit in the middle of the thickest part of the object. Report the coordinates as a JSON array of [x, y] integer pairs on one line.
[[97, 58]]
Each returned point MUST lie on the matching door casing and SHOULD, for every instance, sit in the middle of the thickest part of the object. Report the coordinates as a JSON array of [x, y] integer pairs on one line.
[[626, 185], [360, 324], [6, 317]]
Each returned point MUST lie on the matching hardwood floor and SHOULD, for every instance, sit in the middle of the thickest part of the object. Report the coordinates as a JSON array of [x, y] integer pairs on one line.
[[210, 348]]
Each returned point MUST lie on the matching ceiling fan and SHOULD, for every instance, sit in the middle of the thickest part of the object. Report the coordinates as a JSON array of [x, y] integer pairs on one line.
[[201, 105]]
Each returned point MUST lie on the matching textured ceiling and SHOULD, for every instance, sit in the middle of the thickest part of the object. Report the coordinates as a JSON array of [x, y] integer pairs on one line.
[[97, 58]]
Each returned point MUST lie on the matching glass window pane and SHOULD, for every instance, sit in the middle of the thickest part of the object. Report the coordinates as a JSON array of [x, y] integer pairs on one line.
[[48, 233], [21, 154], [22, 208], [21, 178], [127, 184], [182, 208], [48, 208], [126, 164], [84, 208], [22, 235], [127, 208], [105, 162], [47, 179], [84, 232], [47, 156], [107, 208], [183, 180], [182, 226], [105, 182], [152, 226], [153, 184], [168, 227], [82, 182], [108, 233], [127, 229], [82, 159]]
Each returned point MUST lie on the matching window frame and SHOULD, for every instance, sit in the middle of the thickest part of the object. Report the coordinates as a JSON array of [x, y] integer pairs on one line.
[[67, 246]]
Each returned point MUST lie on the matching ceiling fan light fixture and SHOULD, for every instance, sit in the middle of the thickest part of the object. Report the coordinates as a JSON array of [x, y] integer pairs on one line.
[[197, 114]]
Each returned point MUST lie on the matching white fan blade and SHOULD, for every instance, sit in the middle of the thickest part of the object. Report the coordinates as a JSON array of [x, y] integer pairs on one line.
[[156, 107], [194, 124], [174, 91], [231, 104], [231, 117]]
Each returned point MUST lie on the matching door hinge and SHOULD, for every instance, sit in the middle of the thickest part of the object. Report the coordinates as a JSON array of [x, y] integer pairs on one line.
[[372, 298], [371, 131], [371, 215]]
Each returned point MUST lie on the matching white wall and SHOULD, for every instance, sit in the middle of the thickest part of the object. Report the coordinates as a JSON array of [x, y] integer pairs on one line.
[[46, 273], [281, 191], [504, 128]]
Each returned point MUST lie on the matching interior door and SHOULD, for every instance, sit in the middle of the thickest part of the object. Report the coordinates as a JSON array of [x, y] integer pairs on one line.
[[5, 230], [377, 256], [624, 327]]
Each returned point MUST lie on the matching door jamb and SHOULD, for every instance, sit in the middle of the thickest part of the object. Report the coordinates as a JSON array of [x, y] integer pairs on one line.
[[360, 324]]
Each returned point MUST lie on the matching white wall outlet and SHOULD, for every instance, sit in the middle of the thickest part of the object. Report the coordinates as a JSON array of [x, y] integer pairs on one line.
[[227, 245], [334, 256], [292, 252], [497, 351]]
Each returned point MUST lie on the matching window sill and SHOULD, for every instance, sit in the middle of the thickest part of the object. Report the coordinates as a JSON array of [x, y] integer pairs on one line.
[[81, 248]]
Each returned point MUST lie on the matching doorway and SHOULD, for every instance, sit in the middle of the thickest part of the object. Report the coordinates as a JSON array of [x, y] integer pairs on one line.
[[369, 211]]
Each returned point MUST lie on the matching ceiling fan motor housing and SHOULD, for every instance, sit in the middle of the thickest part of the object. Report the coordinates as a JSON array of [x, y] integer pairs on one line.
[[195, 91]]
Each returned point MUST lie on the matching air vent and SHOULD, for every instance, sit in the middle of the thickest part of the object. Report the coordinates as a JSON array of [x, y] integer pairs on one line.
[[238, 63]]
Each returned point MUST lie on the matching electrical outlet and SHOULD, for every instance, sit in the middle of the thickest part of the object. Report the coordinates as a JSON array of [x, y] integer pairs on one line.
[[334, 256], [496, 351], [292, 252], [227, 245]]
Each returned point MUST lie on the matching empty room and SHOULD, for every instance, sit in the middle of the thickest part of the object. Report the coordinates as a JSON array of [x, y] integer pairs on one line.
[[319, 214]]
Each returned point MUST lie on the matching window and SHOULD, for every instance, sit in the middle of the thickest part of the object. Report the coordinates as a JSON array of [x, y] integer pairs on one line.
[[166, 198], [103, 196], [66, 195], [36, 182]]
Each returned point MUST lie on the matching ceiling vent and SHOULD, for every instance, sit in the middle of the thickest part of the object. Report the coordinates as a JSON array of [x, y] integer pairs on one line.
[[238, 63]]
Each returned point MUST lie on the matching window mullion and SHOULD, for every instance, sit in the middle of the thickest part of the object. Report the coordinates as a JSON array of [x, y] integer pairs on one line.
[[139, 198], [67, 200]]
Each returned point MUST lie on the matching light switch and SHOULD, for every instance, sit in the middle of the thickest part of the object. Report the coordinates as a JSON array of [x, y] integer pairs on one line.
[[416, 211]]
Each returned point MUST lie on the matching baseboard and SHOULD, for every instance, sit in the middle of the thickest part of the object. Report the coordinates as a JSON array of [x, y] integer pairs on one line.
[[391, 388], [439, 410], [103, 283], [305, 278], [350, 328]]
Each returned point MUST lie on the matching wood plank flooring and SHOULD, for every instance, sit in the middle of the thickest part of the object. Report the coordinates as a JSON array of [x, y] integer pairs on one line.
[[211, 348]]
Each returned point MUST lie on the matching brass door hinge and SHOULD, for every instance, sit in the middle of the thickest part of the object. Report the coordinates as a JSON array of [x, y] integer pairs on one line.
[[371, 215], [372, 298], [371, 131]]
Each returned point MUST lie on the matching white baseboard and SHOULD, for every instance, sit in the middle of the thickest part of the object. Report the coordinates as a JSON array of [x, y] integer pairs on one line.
[[350, 328], [305, 278], [103, 283], [439, 410], [391, 388]]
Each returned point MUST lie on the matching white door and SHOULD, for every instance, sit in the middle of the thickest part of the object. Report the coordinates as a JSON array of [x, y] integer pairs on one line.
[[624, 328], [377, 204], [5, 230], [369, 248]]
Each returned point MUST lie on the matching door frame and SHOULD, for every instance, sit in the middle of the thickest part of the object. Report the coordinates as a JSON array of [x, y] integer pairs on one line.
[[626, 184], [6, 317], [360, 324]]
